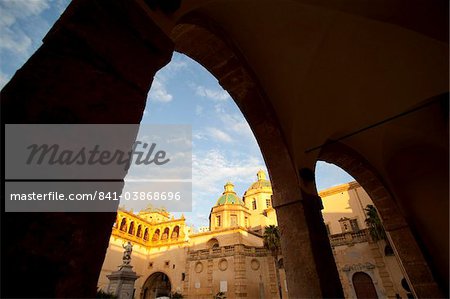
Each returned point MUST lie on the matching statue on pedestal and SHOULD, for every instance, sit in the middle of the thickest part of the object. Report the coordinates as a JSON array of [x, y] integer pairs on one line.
[[127, 253]]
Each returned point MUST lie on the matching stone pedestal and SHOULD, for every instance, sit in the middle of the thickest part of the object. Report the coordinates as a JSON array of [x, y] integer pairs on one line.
[[121, 283]]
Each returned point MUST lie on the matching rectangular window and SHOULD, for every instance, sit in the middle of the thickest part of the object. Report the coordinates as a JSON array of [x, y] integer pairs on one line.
[[268, 204], [223, 286], [246, 221], [354, 225], [254, 204], [218, 223], [233, 220]]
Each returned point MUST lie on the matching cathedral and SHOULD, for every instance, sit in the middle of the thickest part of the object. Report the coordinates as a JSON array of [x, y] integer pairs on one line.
[[229, 256]]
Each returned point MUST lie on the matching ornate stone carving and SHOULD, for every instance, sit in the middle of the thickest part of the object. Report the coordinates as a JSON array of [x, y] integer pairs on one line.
[[254, 264], [223, 264], [198, 267]]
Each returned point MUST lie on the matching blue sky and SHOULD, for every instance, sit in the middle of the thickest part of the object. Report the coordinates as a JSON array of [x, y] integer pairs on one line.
[[183, 92]]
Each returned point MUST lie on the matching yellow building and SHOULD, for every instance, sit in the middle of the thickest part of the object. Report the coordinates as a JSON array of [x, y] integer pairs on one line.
[[229, 255], [366, 268]]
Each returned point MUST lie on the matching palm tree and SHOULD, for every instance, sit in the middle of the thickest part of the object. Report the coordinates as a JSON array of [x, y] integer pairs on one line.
[[272, 243], [373, 221]]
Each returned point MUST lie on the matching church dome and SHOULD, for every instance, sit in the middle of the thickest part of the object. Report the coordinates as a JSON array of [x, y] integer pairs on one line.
[[262, 182], [229, 196]]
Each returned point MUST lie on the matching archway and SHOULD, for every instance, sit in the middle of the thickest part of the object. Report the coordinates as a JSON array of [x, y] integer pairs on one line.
[[157, 285], [398, 231], [119, 45], [212, 243], [220, 56], [364, 287]]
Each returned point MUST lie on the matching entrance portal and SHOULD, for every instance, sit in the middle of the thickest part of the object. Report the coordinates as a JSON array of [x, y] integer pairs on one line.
[[363, 285], [157, 286]]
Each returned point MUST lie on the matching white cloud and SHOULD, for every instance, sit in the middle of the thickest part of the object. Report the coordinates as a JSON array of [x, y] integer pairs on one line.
[[213, 94], [13, 38], [16, 9], [15, 41], [158, 92], [211, 169], [198, 110], [176, 65], [199, 135], [236, 123], [218, 135]]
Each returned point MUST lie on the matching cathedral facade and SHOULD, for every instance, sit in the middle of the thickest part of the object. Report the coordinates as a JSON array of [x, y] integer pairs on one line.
[[229, 256]]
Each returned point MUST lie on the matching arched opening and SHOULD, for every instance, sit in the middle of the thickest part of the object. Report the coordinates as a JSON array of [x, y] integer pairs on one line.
[[393, 226], [135, 72], [157, 285], [165, 234], [175, 232], [139, 231], [156, 235], [146, 234], [363, 285], [212, 243], [123, 225], [131, 229]]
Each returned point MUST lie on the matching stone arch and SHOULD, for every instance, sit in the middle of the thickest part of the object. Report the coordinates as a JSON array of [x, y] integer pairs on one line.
[[165, 234], [213, 243], [213, 50], [175, 232], [139, 231], [146, 234], [399, 232], [158, 284], [363, 286], [202, 40], [131, 228], [123, 225], [156, 235]]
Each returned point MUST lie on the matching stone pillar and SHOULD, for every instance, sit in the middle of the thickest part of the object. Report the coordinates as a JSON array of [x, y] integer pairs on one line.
[[121, 283], [95, 66], [308, 259], [418, 273], [240, 283]]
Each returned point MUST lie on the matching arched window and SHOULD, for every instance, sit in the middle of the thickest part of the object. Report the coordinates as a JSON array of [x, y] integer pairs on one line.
[[165, 234], [175, 232], [363, 285], [213, 243], [146, 234], [123, 225], [156, 235], [139, 231], [131, 229]]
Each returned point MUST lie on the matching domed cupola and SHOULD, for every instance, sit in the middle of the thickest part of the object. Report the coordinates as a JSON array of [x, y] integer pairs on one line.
[[262, 183], [229, 196]]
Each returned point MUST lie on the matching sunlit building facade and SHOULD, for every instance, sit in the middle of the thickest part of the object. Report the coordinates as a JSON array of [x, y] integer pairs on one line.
[[229, 255]]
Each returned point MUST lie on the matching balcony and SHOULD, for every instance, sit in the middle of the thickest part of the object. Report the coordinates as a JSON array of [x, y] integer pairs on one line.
[[349, 238]]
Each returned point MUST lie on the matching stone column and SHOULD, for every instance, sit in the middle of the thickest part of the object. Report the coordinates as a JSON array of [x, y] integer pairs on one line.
[[308, 259], [418, 273], [95, 66]]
